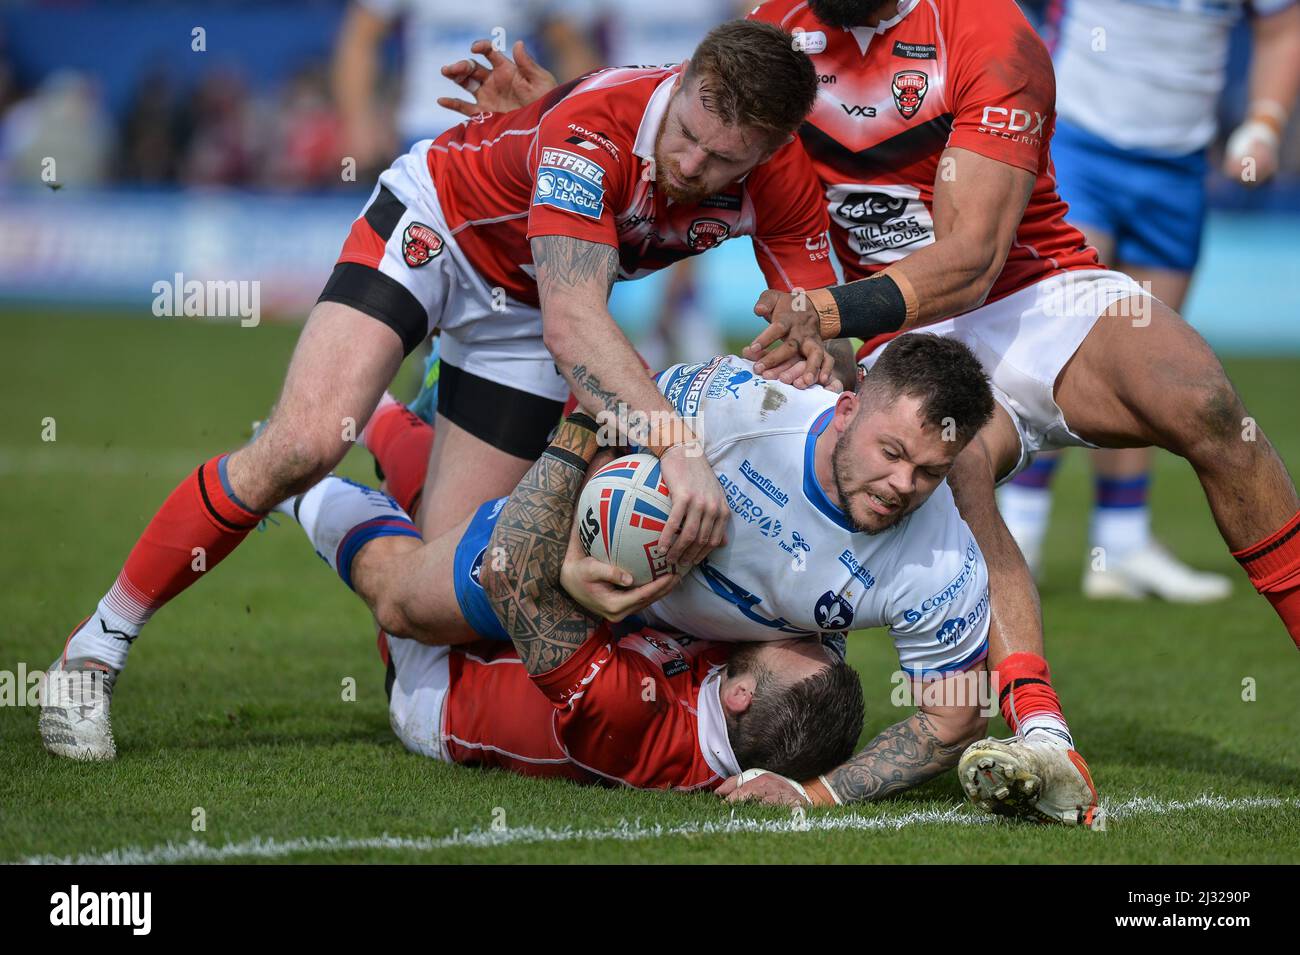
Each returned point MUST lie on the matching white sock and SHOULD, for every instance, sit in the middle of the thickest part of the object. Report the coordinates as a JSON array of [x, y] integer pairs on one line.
[[1119, 531], [1046, 728], [340, 516], [106, 636], [1026, 511]]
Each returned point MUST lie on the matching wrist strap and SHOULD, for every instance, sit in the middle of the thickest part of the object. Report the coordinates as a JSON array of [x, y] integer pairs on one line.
[[821, 793], [581, 419], [565, 456], [869, 307]]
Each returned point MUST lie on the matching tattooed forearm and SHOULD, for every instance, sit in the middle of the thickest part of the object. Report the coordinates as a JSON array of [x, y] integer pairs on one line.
[[584, 379], [905, 755], [564, 264], [521, 575]]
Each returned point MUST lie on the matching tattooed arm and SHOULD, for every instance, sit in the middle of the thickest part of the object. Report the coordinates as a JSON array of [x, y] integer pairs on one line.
[[574, 278], [546, 625], [907, 754], [903, 756]]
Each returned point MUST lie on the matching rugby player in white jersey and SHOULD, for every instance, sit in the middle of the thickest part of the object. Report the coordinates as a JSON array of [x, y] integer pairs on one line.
[[843, 520]]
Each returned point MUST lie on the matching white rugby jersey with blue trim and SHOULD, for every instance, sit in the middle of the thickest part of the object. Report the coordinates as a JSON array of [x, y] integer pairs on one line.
[[793, 565]]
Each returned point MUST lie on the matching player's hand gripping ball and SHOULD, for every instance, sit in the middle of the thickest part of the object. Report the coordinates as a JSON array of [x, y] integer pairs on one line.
[[621, 514]]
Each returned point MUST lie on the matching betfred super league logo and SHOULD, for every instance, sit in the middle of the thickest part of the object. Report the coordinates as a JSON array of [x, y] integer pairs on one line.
[[420, 244], [909, 90]]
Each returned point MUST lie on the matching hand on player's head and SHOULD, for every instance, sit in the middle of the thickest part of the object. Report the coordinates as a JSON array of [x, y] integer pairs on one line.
[[791, 706]]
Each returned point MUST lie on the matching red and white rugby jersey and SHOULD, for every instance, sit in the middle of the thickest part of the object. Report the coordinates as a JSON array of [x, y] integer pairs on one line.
[[641, 711], [578, 162], [971, 74]]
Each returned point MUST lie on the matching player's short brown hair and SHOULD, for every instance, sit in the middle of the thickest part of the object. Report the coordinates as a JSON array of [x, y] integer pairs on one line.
[[801, 730], [942, 373], [750, 74]]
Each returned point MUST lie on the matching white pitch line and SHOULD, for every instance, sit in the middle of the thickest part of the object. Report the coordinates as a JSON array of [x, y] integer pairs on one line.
[[270, 848]]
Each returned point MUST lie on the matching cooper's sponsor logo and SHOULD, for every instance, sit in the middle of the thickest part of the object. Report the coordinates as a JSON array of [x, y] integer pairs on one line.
[[857, 569], [833, 612], [857, 110], [909, 89], [764, 484], [882, 220], [915, 51], [954, 587], [1016, 125], [704, 234], [420, 245], [953, 629], [827, 78]]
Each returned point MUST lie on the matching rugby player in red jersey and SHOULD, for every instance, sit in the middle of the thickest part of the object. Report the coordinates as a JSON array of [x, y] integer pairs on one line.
[[572, 700], [506, 234]]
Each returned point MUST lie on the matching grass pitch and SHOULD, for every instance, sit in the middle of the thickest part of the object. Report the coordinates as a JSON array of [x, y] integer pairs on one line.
[[232, 711]]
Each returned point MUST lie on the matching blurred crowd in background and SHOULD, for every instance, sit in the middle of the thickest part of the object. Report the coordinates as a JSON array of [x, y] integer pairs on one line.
[[280, 92]]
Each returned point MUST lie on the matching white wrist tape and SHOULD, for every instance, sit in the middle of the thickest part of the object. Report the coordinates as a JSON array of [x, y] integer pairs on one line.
[[749, 774], [1248, 133]]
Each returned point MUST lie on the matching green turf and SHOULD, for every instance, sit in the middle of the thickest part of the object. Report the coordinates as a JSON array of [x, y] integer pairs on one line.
[[233, 700]]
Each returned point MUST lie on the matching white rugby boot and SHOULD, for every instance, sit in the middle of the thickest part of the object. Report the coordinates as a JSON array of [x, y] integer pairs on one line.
[[75, 698], [1028, 779], [1152, 571]]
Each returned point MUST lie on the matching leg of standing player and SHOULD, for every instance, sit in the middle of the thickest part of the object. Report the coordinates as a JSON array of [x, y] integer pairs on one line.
[[1026, 500], [1125, 559], [323, 404], [1144, 376]]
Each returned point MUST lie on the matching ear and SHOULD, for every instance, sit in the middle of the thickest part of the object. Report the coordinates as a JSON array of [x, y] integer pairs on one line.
[[846, 405], [737, 694]]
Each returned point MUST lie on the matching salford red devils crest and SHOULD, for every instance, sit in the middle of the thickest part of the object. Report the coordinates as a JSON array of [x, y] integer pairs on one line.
[[909, 90], [704, 234], [420, 244]]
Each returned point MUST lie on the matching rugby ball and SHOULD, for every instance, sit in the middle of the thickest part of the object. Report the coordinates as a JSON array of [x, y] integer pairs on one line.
[[622, 512]]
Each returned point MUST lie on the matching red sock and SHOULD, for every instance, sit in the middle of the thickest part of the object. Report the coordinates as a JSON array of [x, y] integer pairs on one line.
[[400, 442], [1273, 566], [197, 526], [1026, 697]]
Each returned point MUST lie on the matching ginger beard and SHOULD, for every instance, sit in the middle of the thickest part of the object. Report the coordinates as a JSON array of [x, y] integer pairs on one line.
[[692, 192]]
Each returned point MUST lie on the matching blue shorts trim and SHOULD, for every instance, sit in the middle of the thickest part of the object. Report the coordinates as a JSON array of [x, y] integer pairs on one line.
[[1153, 205], [470, 552]]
